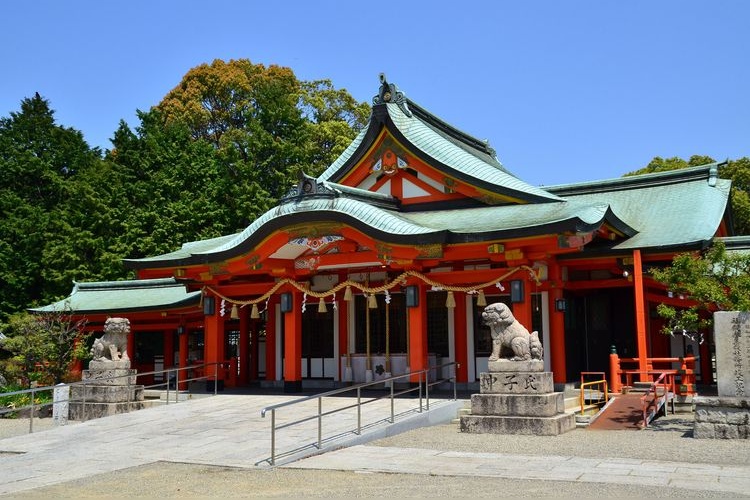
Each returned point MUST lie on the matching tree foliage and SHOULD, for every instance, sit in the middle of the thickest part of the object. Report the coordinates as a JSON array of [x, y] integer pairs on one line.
[[42, 347], [715, 280], [738, 171], [217, 152]]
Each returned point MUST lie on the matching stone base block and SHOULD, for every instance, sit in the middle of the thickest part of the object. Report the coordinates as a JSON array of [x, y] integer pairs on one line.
[[542, 426], [79, 411], [721, 418], [516, 383], [507, 365], [114, 376], [106, 393], [524, 405]]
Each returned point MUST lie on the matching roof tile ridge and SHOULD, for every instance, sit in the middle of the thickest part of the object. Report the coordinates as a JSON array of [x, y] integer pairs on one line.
[[706, 172]]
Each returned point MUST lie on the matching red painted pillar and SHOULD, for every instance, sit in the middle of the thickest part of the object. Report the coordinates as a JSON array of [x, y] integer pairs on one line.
[[460, 339], [293, 345], [640, 313], [183, 357], [131, 347], [556, 348], [418, 333], [213, 347], [522, 310]]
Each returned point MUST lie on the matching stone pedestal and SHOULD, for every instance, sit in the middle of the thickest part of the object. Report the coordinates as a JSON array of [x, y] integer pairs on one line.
[[108, 390], [517, 397], [728, 415]]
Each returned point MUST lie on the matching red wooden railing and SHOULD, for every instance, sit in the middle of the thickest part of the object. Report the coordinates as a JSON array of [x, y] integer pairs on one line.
[[659, 395], [620, 367]]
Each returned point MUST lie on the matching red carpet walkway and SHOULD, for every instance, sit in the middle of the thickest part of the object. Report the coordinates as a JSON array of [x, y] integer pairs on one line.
[[624, 413]]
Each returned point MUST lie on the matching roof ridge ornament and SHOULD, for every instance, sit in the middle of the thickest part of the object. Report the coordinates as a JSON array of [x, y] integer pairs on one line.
[[309, 186], [389, 93]]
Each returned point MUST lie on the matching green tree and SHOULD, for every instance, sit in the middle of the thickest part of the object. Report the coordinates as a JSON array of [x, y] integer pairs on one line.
[[41, 164], [222, 147], [173, 188], [43, 347], [738, 171], [714, 280]]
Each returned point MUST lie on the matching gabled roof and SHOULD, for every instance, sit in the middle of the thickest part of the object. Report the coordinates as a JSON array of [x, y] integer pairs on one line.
[[442, 146], [124, 296], [667, 209]]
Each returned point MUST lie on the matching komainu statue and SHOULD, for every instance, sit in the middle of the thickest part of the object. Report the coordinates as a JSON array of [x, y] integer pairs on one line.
[[113, 345], [510, 340]]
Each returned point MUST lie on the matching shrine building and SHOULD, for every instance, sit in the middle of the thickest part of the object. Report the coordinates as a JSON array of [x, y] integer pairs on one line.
[[384, 263]]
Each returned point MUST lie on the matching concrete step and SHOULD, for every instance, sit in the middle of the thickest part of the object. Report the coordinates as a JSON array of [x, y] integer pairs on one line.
[[461, 412]]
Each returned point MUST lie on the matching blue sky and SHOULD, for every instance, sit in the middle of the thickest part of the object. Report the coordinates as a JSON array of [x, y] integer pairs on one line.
[[564, 91]]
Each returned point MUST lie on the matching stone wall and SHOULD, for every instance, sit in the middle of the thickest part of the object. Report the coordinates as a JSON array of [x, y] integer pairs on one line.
[[721, 418]]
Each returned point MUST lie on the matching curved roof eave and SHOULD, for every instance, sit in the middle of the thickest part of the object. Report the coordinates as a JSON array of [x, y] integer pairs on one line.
[[446, 227]]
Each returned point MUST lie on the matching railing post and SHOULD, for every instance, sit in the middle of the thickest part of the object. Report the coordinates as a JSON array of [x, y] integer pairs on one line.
[[393, 414], [273, 437], [427, 389], [359, 411], [166, 375], [31, 412], [614, 370], [177, 386], [320, 422], [127, 396], [420, 390]]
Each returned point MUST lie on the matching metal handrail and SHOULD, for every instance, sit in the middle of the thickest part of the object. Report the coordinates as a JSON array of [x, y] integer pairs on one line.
[[389, 382], [33, 407], [601, 382]]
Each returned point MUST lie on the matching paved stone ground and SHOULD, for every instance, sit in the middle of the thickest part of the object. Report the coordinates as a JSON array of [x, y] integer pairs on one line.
[[439, 461]]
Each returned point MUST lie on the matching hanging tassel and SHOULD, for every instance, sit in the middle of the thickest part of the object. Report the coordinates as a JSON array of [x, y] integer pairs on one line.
[[235, 312], [481, 300], [322, 305], [372, 302], [348, 294], [450, 301], [254, 314]]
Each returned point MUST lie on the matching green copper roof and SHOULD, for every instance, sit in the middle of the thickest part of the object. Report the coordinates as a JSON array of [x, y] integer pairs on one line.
[[385, 222], [124, 296], [518, 220], [440, 145], [667, 209]]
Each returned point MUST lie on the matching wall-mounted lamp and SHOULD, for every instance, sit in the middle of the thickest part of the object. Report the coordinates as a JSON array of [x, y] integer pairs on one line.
[[181, 330], [412, 296], [286, 302], [209, 306], [561, 305], [516, 291]]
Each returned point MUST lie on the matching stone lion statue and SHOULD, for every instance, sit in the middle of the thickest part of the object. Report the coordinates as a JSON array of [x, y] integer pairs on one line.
[[510, 340], [113, 345]]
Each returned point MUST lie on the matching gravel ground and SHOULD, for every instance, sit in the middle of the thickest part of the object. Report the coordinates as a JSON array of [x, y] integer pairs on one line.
[[670, 438]]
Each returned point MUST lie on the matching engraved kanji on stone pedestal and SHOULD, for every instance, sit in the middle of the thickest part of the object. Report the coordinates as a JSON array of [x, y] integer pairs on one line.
[[516, 395]]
